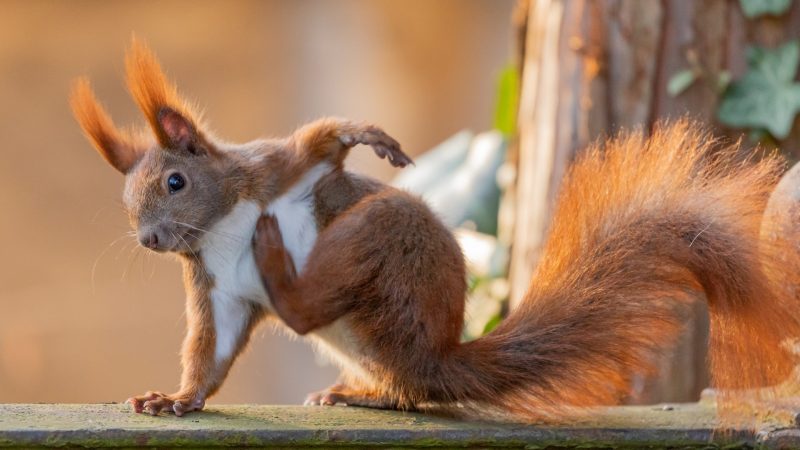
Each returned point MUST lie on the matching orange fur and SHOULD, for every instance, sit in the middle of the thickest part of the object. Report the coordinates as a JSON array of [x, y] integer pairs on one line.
[[331, 139], [119, 149], [642, 228], [218, 176], [642, 224], [152, 91]]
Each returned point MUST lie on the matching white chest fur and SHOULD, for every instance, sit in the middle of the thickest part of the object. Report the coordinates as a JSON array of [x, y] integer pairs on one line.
[[227, 255], [226, 248], [228, 258], [295, 213]]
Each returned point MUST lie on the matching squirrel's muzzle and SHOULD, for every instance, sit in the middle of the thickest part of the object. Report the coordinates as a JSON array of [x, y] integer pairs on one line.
[[155, 238]]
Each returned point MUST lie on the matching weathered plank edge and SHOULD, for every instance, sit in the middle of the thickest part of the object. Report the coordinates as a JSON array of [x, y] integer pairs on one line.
[[113, 426]]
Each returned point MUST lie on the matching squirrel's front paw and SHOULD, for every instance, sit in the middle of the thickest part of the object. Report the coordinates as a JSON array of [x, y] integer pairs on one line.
[[155, 402], [272, 259], [384, 145]]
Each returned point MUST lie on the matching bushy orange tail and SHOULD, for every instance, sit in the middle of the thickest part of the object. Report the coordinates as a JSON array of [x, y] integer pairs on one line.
[[642, 226]]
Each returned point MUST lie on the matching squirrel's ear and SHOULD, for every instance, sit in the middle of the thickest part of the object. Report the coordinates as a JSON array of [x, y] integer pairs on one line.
[[179, 131], [117, 148], [169, 116]]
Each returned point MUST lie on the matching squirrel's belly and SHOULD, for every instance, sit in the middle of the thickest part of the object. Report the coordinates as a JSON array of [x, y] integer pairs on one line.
[[337, 342]]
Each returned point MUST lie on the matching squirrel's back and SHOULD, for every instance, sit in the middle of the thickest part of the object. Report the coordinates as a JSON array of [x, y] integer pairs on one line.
[[641, 227]]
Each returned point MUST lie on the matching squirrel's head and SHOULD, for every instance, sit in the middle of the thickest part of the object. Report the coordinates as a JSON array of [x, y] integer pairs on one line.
[[177, 184]]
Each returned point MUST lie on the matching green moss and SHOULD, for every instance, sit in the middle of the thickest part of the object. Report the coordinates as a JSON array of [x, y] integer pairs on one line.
[[685, 426]]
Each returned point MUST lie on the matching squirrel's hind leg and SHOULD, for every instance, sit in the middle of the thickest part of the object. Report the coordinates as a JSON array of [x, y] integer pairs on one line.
[[340, 394]]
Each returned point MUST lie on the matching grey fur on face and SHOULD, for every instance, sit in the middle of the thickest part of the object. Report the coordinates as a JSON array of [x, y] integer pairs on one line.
[[176, 221]]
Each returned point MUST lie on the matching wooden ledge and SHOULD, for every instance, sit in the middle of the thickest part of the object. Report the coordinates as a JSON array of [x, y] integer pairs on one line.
[[114, 425]]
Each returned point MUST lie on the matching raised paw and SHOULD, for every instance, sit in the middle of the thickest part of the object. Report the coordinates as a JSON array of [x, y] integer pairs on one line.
[[267, 241], [384, 145], [154, 402], [272, 259]]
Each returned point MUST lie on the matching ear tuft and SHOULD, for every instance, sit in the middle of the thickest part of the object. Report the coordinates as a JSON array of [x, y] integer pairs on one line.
[[118, 149], [154, 94]]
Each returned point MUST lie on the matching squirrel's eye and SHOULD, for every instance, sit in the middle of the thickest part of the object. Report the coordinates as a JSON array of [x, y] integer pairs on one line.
[[175, 182]]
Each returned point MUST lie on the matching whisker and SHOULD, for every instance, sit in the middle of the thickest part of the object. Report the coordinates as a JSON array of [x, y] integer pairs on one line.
[[215, 250], [148, 258], [179, 237], [143, 257], [126, 248], [205, 274], [218, 233], [100, 256], [137, 259], [211, 247], [131, 261]]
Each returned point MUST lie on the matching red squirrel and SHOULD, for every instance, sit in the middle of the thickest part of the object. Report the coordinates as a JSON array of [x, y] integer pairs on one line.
[[277, 228]]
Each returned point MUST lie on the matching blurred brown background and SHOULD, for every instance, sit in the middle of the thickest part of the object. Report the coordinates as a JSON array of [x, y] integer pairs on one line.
[[84, 317]]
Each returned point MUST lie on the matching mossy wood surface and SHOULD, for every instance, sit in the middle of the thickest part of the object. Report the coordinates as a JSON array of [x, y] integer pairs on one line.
[[114, 425]]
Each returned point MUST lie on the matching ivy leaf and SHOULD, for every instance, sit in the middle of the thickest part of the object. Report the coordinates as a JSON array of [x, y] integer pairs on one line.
[[780, 63], [756, 102], [766, 96], [755, 8], [680, 82]]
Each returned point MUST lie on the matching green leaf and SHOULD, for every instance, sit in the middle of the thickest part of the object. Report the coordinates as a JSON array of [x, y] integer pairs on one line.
[[492, 323], [780, 63], [755, 102], [680, 82], [505, 113], [766, 96], [755, 8], [472, 282]]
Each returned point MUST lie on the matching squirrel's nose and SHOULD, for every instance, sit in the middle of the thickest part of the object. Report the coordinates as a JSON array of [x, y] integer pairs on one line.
[[149, 240]]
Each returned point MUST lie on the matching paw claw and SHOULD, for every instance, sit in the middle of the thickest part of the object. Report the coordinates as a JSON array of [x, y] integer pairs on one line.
[[313, 399], [154, 402], [136, 404], [329, 399], [152, 408]]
